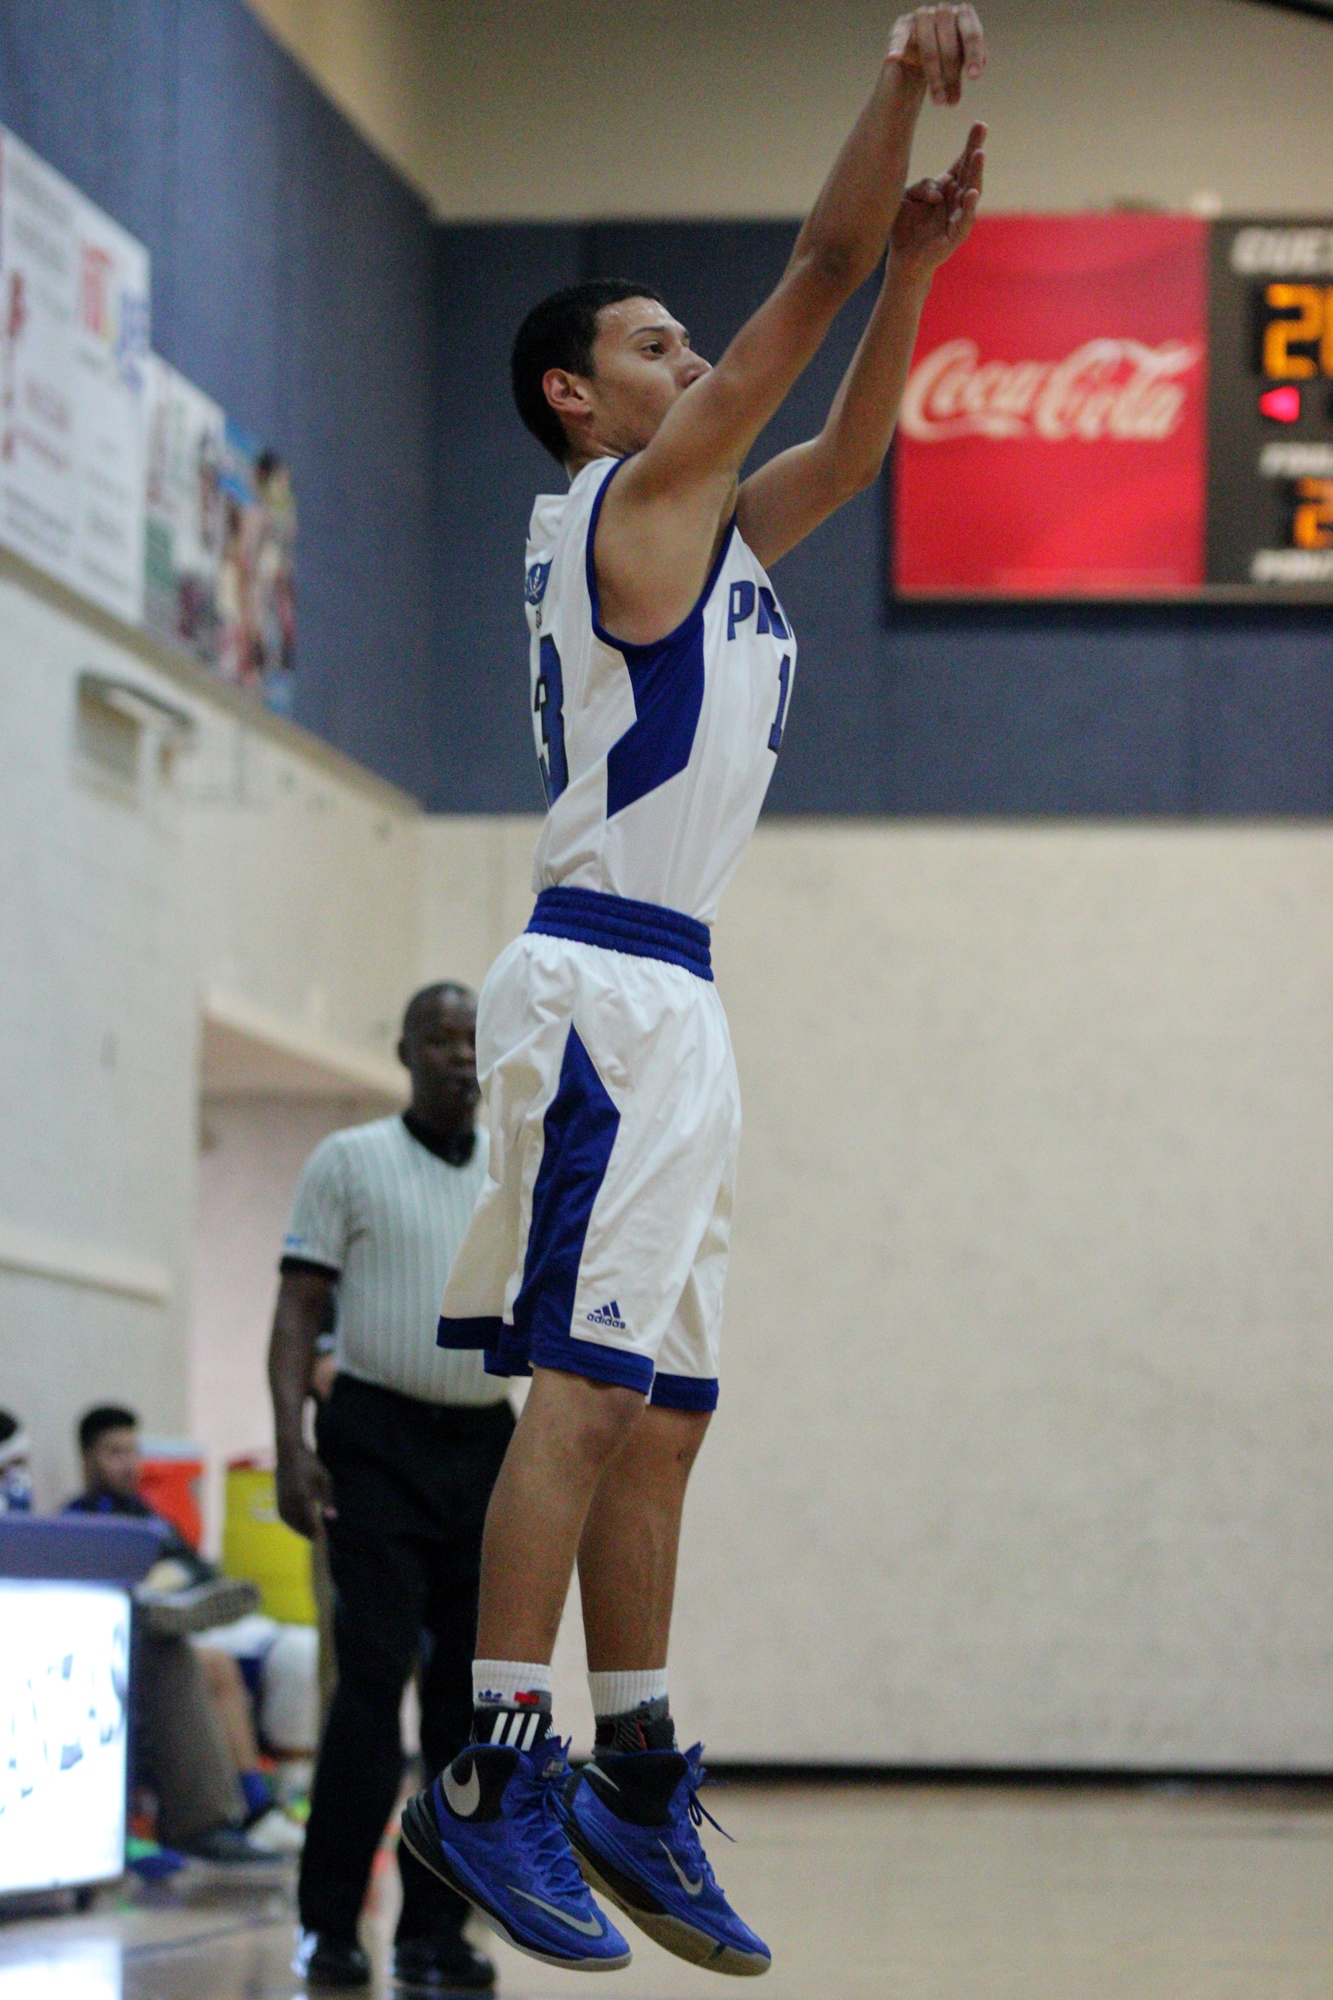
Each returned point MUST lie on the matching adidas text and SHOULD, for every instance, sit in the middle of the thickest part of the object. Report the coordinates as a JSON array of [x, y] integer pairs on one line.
[[606, 1316]]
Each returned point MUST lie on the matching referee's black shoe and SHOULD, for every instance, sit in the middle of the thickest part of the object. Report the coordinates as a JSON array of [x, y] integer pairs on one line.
[[324, 1960], [441, 1964]]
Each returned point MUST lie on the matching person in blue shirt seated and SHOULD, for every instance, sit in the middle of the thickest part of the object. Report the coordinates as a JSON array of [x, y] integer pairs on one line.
[[196, 1730]]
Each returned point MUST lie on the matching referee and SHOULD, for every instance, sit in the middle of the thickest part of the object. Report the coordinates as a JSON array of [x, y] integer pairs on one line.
[[409, 1445]]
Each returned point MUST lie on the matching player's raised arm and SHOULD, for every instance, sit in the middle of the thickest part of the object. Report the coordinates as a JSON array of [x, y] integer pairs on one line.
[[664, 514], [784, 500]]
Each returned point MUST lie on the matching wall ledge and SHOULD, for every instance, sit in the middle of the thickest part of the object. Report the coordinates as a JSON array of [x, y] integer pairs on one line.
[[37, 1254], [316, 1064], [188, 675]]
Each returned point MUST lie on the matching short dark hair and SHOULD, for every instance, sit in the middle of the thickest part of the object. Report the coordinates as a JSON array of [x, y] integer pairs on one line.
[[559, 333], [428, 998], [103, 1417]]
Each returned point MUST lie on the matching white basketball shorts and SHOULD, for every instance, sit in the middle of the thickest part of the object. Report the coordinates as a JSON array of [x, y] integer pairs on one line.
[[599, 1243]]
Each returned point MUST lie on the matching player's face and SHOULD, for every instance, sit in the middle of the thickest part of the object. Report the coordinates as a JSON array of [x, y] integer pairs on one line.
[[642, 362]]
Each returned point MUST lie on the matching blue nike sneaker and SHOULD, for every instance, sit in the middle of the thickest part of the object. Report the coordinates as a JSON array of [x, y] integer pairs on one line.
[[491, 1827], [633, 1823]]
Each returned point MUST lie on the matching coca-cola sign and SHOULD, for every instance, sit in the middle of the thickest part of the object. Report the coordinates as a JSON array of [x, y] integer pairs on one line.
[[1087, 333], [1107, 388]]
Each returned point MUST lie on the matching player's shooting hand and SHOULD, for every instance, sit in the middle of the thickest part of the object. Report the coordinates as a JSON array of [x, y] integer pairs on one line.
[[938, 46], [937, 215], [304, 1491]]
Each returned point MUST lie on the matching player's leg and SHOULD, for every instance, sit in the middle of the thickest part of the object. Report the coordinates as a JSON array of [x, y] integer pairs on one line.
[[491, 1826], [633, 1815], [571, 1428], [630, 1541]]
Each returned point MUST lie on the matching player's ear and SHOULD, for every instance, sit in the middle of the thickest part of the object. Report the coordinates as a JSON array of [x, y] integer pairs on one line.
[[566, 393]]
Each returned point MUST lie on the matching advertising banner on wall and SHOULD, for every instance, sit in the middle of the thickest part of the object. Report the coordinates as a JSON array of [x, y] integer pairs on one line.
[[220, 540], [1053, 433], [1122, 405], [74, 321]]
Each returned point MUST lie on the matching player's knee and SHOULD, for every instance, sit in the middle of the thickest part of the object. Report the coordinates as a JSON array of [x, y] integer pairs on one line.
[[598, 1416]]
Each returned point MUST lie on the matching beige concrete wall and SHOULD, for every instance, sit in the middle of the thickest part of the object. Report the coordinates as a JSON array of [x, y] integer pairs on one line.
[[1028, 1372], [1028, 1376], [255, 865], [501, 109]]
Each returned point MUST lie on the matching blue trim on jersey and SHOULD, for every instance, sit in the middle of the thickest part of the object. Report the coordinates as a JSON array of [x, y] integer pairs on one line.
[[667, 680], [618, 923], [684, 1392], [579, 1132], [470, 1333]]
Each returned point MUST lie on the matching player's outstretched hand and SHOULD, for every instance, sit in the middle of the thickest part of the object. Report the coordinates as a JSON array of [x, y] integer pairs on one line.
[[939, 45], [936, 216]]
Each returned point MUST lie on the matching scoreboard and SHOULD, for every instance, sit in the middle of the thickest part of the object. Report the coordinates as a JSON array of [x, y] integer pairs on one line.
[[1121, 406], [1270, 407]]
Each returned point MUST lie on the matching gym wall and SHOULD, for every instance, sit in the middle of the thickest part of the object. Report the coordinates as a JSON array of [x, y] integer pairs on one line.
[[508, 112], [1027, 1380], [1021, 1455], [198, 899], [300, 281]]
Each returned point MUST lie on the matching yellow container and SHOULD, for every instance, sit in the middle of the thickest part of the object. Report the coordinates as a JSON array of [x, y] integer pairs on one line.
[[260, 1547]]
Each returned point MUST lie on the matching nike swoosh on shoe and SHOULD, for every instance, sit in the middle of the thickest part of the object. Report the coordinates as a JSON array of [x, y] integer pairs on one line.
[[690, 1888], [463, 1799], [589, 1926]]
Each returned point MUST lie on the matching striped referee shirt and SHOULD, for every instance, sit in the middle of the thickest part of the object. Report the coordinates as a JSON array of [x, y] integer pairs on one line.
[[386, 1214]]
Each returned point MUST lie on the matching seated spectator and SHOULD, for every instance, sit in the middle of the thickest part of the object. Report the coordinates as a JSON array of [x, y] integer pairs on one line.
[[195, 1731], [15, 1476]]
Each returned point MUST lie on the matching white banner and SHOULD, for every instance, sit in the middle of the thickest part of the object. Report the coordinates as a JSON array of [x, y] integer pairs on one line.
[[185, 531], [74, 323], [64, 1675]]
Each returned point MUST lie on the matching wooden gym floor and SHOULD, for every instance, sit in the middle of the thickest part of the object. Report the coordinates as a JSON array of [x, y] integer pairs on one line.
[[893, 1892]]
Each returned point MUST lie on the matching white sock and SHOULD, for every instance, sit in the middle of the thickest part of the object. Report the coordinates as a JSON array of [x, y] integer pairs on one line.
[[618, 1693], [499, 1684]]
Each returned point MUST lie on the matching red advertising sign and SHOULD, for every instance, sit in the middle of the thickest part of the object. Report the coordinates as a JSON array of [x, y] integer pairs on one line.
[[1053, 435]]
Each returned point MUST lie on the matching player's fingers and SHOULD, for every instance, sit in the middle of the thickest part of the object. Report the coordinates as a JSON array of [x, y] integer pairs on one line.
[[960, 222], [962, 166], [951, 51], [928, 48], [902, 33], [927, 191], [973, 37]]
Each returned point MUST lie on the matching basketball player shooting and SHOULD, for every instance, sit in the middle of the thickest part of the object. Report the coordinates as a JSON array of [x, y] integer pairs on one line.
[[662, 665]]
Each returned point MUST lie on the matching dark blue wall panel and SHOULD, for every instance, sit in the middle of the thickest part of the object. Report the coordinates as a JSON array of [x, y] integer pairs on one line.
[[294, 278], [298, 281], [1012, 711]]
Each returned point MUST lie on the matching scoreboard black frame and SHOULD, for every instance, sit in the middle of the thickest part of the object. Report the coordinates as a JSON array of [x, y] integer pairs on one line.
[[1270, 411]]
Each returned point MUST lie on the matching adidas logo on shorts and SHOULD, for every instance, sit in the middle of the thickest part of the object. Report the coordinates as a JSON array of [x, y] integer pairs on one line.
[[606, 1316]]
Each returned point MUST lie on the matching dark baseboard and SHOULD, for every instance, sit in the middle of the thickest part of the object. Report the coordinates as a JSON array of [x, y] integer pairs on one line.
[[1065, 1778]]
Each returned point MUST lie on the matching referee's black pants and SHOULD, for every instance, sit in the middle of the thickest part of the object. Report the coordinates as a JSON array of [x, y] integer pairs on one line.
[[411, 1482]]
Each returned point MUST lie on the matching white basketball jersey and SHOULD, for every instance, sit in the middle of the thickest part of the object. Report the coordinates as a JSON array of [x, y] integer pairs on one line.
[[655, 759]]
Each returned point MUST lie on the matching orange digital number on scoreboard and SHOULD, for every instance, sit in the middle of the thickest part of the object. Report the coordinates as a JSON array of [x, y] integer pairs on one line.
[[1312, 306], [1312, 523]]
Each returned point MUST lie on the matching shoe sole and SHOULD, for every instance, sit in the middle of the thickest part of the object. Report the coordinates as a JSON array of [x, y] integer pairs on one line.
[[672, 1933], [422, 1842], [179, 1613]]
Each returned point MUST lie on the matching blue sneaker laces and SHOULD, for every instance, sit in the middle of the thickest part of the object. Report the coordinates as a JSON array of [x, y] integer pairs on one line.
[[690, 1814], [537, 1807]]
